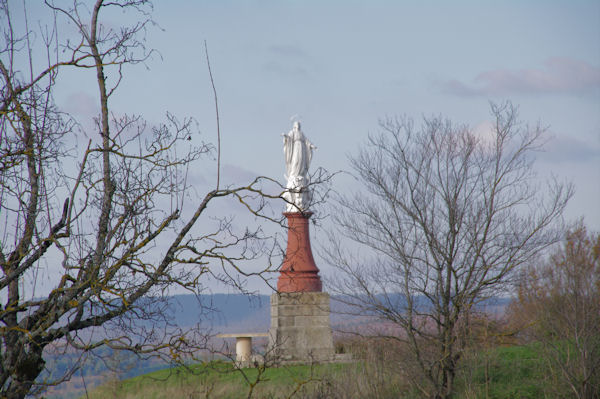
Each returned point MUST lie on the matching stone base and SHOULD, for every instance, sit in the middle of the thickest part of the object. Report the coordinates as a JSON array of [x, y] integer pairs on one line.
[[300, 328]]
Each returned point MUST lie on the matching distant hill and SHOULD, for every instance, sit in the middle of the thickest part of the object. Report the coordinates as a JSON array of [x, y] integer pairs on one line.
[[241, 313], [222, 312]]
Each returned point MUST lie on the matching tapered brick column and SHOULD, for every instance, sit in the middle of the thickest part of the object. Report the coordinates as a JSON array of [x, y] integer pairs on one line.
[[299, 273]]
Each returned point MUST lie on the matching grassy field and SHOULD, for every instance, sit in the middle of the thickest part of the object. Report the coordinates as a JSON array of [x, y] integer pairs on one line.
[[221, 380], [505, 372]]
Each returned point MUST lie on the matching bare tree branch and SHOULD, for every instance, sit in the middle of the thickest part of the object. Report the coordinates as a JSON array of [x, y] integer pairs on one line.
[[444, 221]]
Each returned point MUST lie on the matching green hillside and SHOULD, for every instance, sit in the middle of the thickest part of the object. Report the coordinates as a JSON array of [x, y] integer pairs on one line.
[[505, 372], [221, 380]]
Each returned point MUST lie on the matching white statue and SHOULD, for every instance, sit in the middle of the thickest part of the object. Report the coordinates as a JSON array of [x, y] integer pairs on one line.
[[298, 153]]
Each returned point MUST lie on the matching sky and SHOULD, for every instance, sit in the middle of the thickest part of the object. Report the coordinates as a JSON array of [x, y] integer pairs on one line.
[[341, 66]]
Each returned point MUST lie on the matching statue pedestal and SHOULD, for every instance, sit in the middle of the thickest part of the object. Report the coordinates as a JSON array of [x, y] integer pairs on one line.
[[298, 272], [300, 328]]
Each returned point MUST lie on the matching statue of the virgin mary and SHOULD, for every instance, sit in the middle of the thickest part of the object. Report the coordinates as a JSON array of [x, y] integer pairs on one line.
[[298, 154]]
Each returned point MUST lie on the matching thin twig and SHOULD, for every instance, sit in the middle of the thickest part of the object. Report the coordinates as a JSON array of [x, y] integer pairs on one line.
[[84, 384], [212, 82]]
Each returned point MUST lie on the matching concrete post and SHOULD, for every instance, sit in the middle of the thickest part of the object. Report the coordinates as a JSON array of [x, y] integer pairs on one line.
[[243, 349]]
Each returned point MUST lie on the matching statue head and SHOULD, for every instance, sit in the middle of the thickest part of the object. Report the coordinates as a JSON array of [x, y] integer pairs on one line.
[[296, 125]]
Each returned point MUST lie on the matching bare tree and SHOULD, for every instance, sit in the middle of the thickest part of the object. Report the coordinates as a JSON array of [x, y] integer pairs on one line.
[[111, 215], [441, 221], [559, 305]]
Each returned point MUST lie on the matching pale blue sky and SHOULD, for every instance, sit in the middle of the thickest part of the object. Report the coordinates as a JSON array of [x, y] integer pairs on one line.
[[343, 65]]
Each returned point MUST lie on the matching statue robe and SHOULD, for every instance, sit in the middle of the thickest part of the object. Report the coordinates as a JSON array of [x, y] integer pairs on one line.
[[298, 154]]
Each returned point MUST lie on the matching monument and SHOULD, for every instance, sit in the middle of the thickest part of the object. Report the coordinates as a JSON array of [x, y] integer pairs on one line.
[[300, 327]]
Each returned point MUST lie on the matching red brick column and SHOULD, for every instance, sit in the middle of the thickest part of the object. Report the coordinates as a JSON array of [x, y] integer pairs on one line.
[[298, 272]]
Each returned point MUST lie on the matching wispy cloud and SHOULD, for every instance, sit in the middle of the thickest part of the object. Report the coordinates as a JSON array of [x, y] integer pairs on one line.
[[287, 60], [287, 50], [285, 69], [556, 149], [81, 104], [570, 149], [558, 75]]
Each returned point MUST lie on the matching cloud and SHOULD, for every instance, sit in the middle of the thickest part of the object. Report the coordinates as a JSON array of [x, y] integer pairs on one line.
[[558, 75], [285, 69], [485, 131], [557, 149], [231, 175], [81, 104], [569, 149], [287, 60], [287, 50]]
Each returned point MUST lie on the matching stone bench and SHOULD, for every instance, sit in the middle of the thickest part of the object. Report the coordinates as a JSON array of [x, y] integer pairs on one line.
[[243, 345]]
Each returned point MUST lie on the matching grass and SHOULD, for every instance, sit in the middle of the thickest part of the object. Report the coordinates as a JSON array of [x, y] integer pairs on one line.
[[504, 372], [218, 380]]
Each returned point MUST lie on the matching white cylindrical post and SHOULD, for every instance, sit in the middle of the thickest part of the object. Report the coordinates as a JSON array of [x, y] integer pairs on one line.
[[243, 349]]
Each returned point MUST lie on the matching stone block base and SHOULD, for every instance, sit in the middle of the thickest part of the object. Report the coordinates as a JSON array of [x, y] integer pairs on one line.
[[300, 328]]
